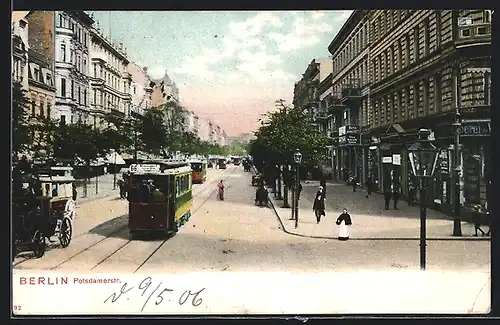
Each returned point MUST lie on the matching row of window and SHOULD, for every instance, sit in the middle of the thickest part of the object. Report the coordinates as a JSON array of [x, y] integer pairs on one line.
[[78, 93], [41, 75], [182, 185], [79, 61], [109, 101], [111, 58], [41, 106], [110, 78], [81, 34]]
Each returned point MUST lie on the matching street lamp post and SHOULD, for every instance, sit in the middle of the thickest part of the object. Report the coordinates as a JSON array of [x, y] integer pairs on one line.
[[457, 228], [286, 184], [423, 158], [114, 170], [297, 157]]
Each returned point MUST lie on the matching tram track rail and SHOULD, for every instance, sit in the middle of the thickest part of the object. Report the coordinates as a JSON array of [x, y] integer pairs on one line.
[[206, 188], [213, 191]]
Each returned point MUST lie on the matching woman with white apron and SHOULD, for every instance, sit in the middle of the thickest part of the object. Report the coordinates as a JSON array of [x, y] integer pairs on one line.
[[344, 227]]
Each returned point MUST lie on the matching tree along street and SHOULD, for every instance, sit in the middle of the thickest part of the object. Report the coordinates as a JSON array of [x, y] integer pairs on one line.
[[235, 235]]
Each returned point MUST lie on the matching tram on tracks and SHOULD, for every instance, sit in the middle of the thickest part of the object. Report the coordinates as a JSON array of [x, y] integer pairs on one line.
[[160, 196], [199, 170]]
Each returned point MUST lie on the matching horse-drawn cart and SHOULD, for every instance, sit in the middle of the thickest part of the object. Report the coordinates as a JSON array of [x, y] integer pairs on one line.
[[44, 207]]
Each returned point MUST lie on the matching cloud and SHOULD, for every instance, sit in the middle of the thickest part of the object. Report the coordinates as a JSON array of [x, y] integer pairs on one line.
[[241, 37], [306, 31], [156, 71]]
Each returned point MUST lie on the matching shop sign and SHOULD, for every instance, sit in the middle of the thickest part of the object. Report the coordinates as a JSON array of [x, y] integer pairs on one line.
[[348, 129], [475, 128], [472, 180], [387, 160], [444, 163], [396, 159], [349, 139]]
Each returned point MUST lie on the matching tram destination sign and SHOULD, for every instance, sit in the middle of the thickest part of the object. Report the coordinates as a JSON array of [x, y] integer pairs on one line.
[[475, 128]]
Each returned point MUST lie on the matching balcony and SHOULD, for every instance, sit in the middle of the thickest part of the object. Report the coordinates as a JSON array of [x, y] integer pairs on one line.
[[64, 65], [126, 75], [64, 31], [473, 34], [98, 56], [334, 104], [351, 94], [321, 115]]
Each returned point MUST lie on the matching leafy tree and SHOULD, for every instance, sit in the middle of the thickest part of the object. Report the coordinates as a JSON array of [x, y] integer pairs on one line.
[[175, 121], [287, 130], [22, 134], [153, 131]]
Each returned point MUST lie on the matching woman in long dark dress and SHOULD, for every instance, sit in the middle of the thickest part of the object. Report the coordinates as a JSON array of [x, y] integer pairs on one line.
[[344, 228], [319, 204]]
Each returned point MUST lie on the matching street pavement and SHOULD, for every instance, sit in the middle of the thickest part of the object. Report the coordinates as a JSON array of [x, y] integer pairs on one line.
[[370, 219], [105, 187], [236, 236]]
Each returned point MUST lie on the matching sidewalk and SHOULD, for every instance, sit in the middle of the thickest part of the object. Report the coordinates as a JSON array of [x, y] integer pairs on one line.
[[104, 188], [370, 219]]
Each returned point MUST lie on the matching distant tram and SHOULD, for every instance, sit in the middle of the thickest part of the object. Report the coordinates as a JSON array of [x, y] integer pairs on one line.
[[160, 196], [199, 170]]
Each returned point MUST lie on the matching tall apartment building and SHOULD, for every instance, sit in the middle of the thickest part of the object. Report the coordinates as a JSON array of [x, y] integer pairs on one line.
[[72, 44], [396, 71], [110, 80], [350, 100], [141, 88], [20, 48], [42, 90]]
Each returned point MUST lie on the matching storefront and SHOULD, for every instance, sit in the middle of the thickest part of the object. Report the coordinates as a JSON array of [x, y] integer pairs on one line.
[[351, 160]]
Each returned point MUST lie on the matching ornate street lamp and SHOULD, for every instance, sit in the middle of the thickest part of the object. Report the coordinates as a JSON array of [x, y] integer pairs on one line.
[[457, 225], [423, 158], [297, 158]]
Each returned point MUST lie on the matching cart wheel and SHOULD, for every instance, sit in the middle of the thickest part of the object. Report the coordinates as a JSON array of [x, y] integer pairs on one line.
[[65, 232], [38, 244]]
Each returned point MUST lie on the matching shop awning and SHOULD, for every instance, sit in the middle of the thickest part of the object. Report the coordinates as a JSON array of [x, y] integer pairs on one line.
[[115, 159]]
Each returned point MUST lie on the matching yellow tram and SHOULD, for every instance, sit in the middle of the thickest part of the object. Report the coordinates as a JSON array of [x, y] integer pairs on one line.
[[160, 196]]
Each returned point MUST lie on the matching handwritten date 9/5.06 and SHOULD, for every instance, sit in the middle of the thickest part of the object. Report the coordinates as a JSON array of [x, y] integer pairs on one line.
[[158, 292]]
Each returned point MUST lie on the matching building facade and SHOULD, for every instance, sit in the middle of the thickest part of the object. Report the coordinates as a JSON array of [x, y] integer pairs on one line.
[[42, 90], [305, 96], [141, 88], [110, 80], [350, 99], [72, 43], [20, 48], [396, 71], [426, 68]]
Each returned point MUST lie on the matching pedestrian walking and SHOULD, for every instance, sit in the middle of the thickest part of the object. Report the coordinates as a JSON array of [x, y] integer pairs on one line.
[[121, 186], [322, 183], [369, 185], [489, 223], [387, 198], [354, 183], [344, 227], [319, 204], [412, 191], [476, 219], [74, 193], [395, 196]]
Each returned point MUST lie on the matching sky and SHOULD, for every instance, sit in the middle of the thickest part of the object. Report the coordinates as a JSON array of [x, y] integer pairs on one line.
[[229, 66]]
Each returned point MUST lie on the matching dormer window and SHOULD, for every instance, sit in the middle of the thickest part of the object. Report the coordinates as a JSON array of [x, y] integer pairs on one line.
[[36, 73]]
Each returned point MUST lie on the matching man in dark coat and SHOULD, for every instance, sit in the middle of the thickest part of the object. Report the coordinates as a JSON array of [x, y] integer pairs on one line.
[[322, 183], [344, 229], [395, 196], [319, 205], [369, 186], [387, 198]]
